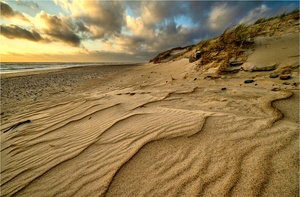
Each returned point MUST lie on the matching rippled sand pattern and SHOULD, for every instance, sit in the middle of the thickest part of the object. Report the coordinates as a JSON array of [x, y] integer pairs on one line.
[[174, 142]]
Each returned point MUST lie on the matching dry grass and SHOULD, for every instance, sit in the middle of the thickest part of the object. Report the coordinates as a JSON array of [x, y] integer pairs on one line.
[[230, 45]]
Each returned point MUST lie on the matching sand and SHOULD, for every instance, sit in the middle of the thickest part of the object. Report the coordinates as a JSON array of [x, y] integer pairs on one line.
[[153, 130]]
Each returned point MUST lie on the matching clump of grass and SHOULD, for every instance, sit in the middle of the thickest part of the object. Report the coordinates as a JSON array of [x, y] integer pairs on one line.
[[230, 44], [259, 21], [160, 57]]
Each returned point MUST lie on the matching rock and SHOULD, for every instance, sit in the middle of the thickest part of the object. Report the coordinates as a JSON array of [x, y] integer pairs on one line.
[[275, 89], [274, 75], [198, 54], [264, 68], [285, 77], [195, 79], [249, 81], [212, 77], [229, 71], [235, 63], [223, 88], [286, 83], [195, 57]]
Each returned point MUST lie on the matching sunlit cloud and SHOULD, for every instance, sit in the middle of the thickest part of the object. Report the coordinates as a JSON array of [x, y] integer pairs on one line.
[[59, 28], [220, 16], [8, 12], [136, 29]]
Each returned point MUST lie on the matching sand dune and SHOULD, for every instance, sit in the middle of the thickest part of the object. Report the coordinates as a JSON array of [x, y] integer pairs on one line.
[[155, 130]]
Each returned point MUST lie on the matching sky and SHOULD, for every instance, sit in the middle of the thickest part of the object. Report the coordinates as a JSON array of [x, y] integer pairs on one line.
[[117, 31]]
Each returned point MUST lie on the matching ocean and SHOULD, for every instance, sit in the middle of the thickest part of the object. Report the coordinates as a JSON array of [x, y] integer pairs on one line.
[[13, 67]]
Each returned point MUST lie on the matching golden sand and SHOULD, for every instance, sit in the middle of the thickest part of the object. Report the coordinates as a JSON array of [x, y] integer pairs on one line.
[[154, 130]]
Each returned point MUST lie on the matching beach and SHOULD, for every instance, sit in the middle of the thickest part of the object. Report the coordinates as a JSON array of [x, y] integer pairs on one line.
[[168, 129]]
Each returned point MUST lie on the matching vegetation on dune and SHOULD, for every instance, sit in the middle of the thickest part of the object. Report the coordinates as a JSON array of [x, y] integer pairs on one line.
[[164, 55], [233, 43]]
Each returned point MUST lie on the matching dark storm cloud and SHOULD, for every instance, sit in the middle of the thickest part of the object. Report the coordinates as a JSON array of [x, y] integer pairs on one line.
[[8, 12], [60, 29], [13, 31]]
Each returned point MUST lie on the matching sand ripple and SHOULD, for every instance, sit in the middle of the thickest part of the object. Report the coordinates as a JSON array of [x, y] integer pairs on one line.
[[175, 142]]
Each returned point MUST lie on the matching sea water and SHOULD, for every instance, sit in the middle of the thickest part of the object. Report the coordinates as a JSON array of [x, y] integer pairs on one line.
[[13, 67]]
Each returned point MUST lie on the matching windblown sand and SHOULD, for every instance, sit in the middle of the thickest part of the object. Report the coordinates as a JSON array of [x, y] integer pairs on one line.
[[153, 130]]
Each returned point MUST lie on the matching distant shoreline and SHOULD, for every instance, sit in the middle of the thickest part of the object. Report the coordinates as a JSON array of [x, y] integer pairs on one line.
[[30, 69]]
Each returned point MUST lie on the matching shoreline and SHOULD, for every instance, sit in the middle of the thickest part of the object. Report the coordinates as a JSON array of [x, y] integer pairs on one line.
[[50, 70]]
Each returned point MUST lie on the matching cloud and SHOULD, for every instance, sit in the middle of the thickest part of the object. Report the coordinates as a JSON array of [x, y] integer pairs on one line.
[[59, 28], [158, 11], [134, 28], [220, 16], [138, 27], [8, 12], [13, 31], [29, 4], [255, 14], [102, 18]]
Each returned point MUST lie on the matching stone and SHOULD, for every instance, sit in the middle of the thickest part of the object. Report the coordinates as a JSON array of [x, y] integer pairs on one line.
[[249, 81], [264, 68], [195, 57], [198, 54], [235, 63], [274, 75], [285, 77], [223, 88], [286, 83], [229, 71], [275, 89], [213, 77]]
